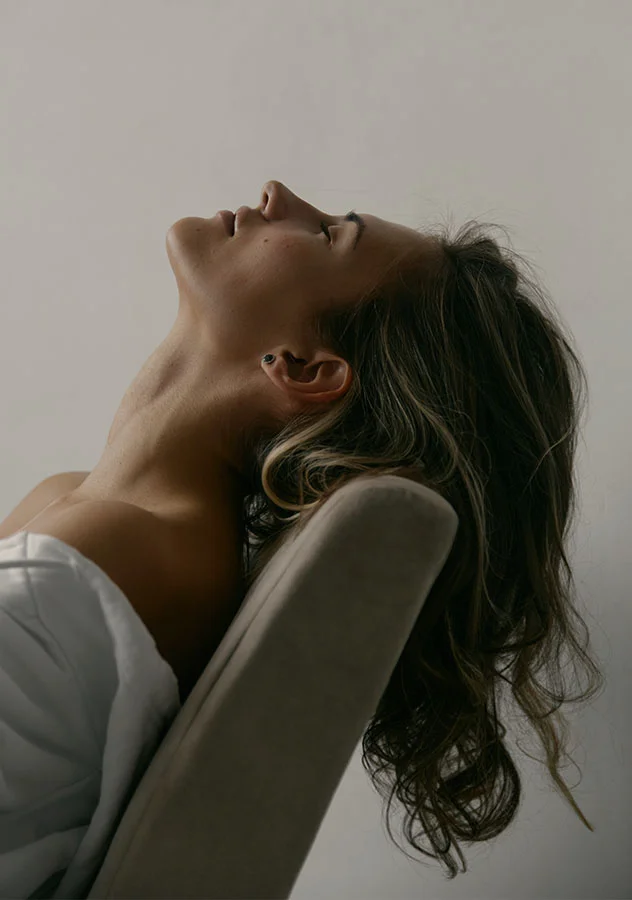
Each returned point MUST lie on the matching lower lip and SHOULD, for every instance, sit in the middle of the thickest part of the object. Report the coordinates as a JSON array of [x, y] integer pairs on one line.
[[227, 218]]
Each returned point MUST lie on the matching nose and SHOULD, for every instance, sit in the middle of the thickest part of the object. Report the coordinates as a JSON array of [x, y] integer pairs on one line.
[[278, 201], [270, 197]]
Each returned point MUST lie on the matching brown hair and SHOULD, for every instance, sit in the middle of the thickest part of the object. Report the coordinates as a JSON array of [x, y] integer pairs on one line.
[[464, 378]]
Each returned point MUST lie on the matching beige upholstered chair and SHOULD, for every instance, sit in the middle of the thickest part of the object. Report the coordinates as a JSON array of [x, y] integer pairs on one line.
[[232, 801]]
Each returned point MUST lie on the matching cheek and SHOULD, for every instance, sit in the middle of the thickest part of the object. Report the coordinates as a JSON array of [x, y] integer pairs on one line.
[[287, 260]]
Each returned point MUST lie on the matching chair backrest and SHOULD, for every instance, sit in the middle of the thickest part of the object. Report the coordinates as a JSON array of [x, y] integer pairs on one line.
[[232, 801]]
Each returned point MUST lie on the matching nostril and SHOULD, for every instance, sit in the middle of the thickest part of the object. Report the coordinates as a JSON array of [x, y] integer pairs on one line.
[[267, 194]]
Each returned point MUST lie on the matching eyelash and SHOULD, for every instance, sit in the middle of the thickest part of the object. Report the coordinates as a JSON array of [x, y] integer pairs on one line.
[[350, 217]]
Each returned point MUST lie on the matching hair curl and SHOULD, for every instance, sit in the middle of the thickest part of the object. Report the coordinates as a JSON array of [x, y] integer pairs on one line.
[[465, 379]]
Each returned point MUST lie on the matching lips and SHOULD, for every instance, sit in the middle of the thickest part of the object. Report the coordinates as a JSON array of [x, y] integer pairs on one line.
[[228, 218]]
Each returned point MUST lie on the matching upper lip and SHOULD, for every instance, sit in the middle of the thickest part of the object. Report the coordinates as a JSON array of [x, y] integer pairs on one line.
[[240, 215], [236, 220]]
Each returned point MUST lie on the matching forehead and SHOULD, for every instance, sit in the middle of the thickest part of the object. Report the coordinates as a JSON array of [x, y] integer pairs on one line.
[[392, 232], [383, 240]]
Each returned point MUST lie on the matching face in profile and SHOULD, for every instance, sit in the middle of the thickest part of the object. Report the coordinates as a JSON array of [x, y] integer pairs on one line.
[[285, 261]]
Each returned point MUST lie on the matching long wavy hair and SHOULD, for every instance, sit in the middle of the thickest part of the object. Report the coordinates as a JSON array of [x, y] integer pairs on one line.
[[464, 379]]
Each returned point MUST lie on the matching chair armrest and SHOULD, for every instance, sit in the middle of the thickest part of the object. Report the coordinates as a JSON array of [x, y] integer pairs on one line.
[[234, 797]]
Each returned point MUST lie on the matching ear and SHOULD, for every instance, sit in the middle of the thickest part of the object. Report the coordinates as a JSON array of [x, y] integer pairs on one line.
[[322, 378]]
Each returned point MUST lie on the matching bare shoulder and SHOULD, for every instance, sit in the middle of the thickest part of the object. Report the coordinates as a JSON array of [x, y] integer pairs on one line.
[[127, 542], [142, 556], [42, 495]]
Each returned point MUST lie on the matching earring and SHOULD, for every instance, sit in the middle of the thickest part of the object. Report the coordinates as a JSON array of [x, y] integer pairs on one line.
[[268, 358]]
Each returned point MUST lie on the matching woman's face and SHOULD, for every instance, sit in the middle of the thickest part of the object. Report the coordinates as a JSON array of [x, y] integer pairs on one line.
[[256, 290]]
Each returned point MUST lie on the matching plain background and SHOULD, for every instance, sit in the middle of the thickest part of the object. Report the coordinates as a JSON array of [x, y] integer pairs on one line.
[[118, 118]]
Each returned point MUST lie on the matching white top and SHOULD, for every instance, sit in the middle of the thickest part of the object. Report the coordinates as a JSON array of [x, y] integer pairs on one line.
[[85, 700]]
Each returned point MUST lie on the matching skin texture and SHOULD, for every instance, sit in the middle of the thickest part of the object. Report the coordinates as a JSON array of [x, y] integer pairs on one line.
[[161, 512], [175, 445], [42, 495]]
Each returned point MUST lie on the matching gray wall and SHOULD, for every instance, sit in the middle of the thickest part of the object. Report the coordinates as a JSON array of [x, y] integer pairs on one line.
[[119, 118]]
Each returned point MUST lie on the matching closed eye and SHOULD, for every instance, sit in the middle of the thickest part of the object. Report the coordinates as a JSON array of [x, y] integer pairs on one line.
[[350, 217]]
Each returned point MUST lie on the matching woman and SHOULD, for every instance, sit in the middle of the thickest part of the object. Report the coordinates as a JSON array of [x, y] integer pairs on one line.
[[309, 349]]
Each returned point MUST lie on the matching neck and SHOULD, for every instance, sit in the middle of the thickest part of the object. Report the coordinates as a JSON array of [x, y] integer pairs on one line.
[[169, 448]]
